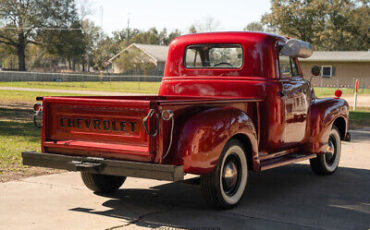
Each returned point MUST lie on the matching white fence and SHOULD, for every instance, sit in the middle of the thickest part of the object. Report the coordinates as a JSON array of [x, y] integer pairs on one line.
[[13, 76]]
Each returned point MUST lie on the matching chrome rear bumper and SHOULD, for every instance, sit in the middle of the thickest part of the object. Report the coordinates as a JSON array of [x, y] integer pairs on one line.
[[104, 166]]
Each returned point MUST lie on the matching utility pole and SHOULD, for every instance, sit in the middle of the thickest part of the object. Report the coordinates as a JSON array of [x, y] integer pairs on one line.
[[128, 27], [101, 15]]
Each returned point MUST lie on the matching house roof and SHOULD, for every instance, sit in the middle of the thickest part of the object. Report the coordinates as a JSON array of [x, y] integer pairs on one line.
[[156, 52], [338, 56]]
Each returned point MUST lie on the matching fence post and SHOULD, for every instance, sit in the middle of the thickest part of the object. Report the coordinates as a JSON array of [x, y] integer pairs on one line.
[[355, 96], [353, 84]]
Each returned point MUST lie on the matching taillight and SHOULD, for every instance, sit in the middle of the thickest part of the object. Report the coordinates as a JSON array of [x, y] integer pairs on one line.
[[37, 107]]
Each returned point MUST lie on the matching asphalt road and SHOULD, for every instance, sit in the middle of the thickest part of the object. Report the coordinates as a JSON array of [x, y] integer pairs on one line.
[[290, 197]]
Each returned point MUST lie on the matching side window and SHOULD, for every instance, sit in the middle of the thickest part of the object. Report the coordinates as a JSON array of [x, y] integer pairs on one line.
[[295, 70], [288, 67], [193, 58], [285, 66]]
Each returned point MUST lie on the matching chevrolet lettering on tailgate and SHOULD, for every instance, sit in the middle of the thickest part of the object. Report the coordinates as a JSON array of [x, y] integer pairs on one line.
[[97, 124]]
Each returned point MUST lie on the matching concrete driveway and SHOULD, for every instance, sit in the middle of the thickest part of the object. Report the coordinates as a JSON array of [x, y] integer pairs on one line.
[[290, 197]]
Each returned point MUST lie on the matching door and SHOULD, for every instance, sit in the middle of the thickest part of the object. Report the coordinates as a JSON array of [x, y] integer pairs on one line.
[[295, 92]]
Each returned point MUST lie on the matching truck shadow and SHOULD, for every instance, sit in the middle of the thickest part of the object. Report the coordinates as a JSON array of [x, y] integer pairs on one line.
[[290, 197], [16, 114]]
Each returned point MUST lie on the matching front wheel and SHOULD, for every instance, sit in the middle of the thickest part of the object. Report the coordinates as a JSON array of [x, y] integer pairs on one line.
[[102, 183], [325, 164], [224, 186]]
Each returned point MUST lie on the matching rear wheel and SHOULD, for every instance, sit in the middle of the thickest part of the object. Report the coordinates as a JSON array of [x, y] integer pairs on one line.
[[325, 164], [102, 183], [224, 187]]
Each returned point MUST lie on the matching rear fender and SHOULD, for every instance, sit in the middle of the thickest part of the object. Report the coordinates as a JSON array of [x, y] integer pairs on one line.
[[324, 112], [204, 135]]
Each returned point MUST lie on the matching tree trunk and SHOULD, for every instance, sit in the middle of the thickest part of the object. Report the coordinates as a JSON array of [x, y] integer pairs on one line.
[[21, 48], [74, 65]]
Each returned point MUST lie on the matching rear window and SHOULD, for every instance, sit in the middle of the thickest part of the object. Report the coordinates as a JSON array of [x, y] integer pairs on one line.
[[214, 56]]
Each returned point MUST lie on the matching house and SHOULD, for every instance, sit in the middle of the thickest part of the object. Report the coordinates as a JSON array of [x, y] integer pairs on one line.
[[154, 54], [338, 68]]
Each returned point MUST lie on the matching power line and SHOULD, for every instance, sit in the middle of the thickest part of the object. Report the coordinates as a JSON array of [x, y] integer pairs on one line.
[[42, 28]]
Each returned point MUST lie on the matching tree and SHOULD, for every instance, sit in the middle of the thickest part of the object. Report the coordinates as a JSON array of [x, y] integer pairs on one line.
[[24, 19], [359, 26], [68, 44], [128, 36], [254, 26], [165, 38], [208, 24], [134, 60], [192, 29], [125, 35], [327, 24], [106, 49], [92, 35], [150, 36], [7, 59]]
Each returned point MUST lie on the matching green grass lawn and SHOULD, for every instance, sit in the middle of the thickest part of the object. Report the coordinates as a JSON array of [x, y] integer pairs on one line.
[[17, 134], [25, 98], [127, 86], [16, 137], [324, 91], [359, 119]]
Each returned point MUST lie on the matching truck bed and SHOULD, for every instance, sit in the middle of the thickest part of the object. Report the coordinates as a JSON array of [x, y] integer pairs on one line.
[[112, 127]]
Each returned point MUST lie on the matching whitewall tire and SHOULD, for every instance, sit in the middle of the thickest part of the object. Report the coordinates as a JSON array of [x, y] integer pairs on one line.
[[225, 185]]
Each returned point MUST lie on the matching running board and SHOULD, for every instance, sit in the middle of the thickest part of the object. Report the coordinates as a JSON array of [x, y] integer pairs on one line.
[[284, 160]]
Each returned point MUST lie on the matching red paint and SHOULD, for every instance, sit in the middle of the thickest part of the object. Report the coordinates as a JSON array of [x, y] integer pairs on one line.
[[273, 116], [356, 85]]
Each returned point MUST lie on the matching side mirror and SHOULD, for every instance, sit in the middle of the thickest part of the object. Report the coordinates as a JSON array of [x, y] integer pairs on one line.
[[316, 70]]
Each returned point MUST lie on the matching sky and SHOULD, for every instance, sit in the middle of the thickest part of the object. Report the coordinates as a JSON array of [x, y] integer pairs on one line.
[[230, 15]]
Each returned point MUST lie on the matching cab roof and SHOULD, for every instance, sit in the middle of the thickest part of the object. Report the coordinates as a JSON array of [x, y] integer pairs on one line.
[[224, 37]]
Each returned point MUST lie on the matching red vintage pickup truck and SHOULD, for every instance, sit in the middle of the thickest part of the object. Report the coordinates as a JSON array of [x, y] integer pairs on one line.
[[229, 103]]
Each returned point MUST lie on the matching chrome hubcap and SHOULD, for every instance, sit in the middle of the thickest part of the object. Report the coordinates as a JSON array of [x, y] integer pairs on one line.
[[230, 176], [330, 154]]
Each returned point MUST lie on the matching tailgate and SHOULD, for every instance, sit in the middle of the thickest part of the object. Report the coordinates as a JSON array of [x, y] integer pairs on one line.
[[100, 127]]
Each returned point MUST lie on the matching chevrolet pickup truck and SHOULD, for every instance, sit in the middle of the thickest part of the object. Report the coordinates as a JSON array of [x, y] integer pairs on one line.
[[229, 103]]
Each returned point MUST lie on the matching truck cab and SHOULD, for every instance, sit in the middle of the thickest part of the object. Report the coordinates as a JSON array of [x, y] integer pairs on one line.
[[229, 103]]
